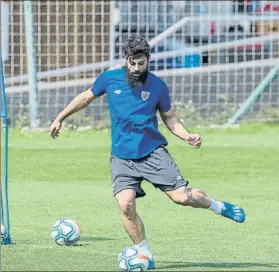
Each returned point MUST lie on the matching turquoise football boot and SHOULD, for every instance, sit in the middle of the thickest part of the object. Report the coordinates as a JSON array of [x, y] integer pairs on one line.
[[233, 212], [151, 264]]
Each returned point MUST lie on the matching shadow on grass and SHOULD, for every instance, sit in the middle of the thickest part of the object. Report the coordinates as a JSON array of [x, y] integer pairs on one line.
[[86, 241], [95, 239], [172, 265]]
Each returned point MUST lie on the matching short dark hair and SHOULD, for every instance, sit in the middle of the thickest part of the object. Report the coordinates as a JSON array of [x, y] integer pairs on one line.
[[135, 46]]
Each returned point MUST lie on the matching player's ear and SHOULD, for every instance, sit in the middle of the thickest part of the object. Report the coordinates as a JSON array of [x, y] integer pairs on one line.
[[127, 59]]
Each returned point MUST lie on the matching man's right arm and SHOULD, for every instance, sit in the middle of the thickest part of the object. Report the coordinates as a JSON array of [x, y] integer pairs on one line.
[[78, 103], [81, 101]]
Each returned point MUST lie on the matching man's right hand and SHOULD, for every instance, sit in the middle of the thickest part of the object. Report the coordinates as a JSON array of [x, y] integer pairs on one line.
[[54, 128]]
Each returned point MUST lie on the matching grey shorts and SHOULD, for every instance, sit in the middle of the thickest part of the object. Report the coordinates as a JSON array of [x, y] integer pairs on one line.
[[158, 168]]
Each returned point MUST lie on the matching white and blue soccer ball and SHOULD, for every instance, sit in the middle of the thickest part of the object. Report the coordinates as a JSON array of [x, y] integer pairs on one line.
[[3, 233], [133, 259], [65, 231]]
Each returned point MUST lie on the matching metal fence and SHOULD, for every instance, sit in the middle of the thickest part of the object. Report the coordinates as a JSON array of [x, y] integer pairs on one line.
[[73, 39]]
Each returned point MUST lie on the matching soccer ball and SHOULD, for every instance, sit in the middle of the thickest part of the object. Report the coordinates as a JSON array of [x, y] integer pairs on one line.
[[65, 231], [3, 233], [133, 259]]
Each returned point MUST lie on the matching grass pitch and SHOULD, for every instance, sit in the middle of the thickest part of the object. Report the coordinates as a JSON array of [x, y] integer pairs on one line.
[[70, 177]]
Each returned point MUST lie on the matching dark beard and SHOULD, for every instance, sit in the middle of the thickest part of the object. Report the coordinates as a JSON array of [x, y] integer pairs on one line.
[[136, 82]]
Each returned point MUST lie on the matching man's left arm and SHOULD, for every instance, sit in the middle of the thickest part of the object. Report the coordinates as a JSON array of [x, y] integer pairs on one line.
[[176, 127]]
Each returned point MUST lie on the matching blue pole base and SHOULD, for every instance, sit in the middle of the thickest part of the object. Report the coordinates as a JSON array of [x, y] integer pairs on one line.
[[7, 241]]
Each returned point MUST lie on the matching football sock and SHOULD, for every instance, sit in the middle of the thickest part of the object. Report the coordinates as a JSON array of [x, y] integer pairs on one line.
[[216, 206], [145, 247]]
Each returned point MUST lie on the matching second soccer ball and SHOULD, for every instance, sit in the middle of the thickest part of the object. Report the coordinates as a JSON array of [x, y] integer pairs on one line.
[[3, 233], [65, 231]]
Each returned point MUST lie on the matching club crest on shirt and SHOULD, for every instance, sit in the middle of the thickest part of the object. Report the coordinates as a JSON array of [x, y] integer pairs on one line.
[[145, 95]]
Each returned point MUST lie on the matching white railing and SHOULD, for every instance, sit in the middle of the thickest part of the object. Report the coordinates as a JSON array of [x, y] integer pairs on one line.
[[163, 55], [156, 56], [162, 73]]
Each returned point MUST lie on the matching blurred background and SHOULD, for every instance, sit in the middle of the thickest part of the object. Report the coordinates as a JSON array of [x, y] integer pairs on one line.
[[212, 54]]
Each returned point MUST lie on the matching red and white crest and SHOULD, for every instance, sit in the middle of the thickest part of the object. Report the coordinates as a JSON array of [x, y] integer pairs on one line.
[[145, 95]]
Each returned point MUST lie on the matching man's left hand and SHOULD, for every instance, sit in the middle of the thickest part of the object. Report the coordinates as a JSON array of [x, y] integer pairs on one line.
[[194, 140]]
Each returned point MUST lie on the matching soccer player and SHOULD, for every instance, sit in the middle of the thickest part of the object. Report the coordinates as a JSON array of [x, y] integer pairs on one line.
[[138, 148]]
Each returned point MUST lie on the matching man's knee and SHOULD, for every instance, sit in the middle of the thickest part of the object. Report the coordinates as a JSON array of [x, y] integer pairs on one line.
[[128, 208], [185, 196], [183, 199], [179, 196], [127, 203]]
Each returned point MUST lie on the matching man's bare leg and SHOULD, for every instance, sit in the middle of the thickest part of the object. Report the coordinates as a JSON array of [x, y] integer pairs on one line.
[[131, 220], [196, 198]]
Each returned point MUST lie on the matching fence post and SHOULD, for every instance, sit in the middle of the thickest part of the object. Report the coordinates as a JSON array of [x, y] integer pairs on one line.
[[32, 63]]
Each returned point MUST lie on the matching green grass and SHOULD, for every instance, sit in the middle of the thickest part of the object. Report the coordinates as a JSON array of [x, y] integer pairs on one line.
[[70, 177]]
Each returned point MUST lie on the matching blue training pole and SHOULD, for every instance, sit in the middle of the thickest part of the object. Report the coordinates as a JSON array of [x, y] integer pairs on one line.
[[7, 240]]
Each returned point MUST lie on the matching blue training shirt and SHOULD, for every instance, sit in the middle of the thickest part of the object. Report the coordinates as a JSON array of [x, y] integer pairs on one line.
[[134, 124]]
